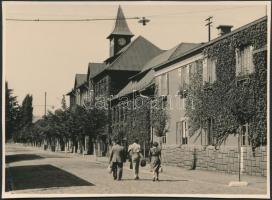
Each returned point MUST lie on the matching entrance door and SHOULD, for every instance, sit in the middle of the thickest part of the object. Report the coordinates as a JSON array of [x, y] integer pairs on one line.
[[179, 132]]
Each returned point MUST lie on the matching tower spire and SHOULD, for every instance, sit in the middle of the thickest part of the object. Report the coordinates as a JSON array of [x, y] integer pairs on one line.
[[121, 26]]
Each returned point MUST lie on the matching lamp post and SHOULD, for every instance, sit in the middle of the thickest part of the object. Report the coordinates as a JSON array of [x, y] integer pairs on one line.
[[239, 183], [239, 154]]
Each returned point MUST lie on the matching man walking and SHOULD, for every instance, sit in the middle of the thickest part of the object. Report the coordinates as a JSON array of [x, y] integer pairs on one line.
[[135, 154], [117, 157]]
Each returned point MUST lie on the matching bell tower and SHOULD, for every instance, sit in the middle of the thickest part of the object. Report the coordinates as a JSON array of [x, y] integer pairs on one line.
[[121, 35]]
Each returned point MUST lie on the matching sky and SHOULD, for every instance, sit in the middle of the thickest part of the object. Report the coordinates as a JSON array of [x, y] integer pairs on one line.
[[41, 57]]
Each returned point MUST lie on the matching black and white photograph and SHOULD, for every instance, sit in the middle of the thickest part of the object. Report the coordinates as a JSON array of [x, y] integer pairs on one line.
[[136, 99]]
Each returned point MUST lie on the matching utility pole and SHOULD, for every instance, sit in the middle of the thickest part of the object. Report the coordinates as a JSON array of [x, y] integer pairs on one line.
[[209, 27], [45, 104]]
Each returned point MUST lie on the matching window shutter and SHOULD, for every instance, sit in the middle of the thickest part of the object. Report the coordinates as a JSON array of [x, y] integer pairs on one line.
[[238, 61], [179, 72], [167, 83], [204, 62], [246, 60], [159, 85], [251, 64], [182, 77], [192, 71], [213, 70], [163, 84], [187, 74]]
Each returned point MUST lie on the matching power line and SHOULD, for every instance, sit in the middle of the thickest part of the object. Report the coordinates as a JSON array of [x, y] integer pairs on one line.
[[127, 18], [68, 20]]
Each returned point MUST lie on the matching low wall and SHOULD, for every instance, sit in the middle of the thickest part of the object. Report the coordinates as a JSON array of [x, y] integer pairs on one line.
[[224, 160]]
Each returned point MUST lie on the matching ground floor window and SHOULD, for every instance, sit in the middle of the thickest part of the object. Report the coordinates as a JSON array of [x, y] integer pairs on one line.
[[164, 139], [207, 136], [210, 131], [182, 132], [244, 135], [178, 132]]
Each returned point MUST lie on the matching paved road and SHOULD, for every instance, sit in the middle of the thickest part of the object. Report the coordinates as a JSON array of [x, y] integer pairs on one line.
[[34, 171]]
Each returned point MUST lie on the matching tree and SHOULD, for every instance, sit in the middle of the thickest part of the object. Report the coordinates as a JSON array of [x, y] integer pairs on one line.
[[26, 118], [63, 103], [159, 116], [27, 110], [11, 113]]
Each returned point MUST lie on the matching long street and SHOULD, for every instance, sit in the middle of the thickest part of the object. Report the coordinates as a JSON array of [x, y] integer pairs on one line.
[[32, 170]]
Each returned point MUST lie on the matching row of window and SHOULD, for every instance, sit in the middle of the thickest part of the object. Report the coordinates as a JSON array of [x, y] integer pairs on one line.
[[100, 87], [119, 113], [207, 136], [244, 66]]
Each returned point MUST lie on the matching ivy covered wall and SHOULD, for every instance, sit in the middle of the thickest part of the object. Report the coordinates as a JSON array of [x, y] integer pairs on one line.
[[133, 117], [131, 122], [232, 101]]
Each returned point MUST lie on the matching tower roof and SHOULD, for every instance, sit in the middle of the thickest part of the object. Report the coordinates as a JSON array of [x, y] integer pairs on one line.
[[120, 27]]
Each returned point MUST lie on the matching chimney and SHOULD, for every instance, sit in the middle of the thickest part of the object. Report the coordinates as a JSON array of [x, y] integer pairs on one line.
[[224, 29]]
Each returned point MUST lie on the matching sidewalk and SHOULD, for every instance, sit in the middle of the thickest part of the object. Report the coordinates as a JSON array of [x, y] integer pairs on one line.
[[46, 172], [173, 172]]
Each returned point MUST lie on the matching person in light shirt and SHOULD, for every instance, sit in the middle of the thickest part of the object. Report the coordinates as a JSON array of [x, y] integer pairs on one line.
[[135, 154]]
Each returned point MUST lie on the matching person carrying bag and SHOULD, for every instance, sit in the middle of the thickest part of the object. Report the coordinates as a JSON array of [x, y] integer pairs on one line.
[[155, 160]]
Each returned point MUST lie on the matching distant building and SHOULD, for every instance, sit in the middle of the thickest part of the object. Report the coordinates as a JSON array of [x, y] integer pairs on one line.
[[80, 91]]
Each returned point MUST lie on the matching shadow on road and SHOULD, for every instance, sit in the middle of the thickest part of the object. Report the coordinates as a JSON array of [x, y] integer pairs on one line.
[[21, 157], [40, 176], [161, 180]]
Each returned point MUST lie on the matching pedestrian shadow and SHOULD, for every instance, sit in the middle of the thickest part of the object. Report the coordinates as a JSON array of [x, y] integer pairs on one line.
[[162, 180], [21, 157], [40, 176], [150, 179], [132, 179]]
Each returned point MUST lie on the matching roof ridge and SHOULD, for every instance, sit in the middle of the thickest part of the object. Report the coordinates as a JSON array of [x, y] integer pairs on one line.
[[96, 62], [146, 70], [176, 48], [128, 46]]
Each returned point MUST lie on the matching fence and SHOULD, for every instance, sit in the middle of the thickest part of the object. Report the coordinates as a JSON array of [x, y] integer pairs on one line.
[[223, 160]]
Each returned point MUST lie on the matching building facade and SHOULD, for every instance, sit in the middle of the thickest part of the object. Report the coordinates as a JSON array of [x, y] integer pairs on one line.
[[230, 66], [174, 80], [211, 92], [221, 87]]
